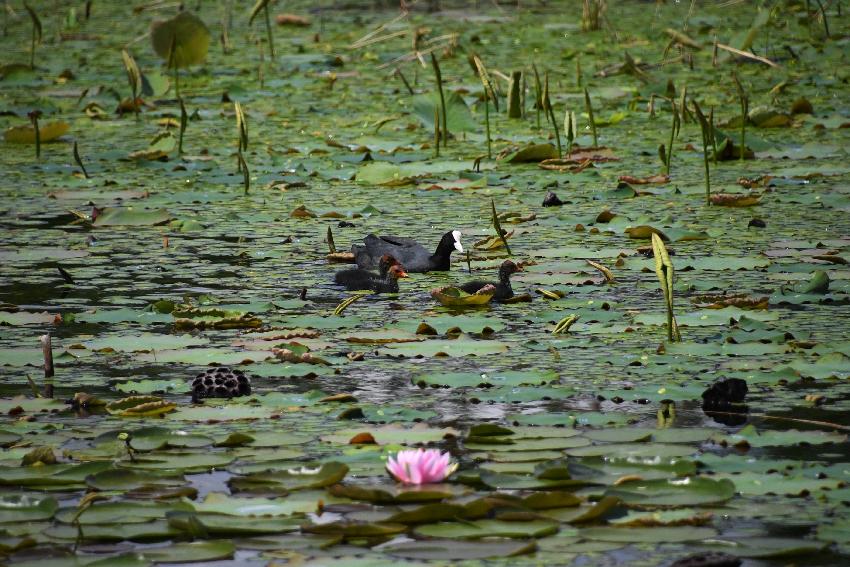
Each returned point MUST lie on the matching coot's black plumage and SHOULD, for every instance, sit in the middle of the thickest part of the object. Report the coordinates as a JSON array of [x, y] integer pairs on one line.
[[357, 278], [386, 284], [503, 286], [412, 255]]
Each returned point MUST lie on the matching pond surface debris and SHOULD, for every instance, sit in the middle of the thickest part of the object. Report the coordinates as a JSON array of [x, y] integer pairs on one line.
[[662, 380]]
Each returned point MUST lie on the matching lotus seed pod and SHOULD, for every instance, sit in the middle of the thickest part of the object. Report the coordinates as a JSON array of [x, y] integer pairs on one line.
[[220, 382]]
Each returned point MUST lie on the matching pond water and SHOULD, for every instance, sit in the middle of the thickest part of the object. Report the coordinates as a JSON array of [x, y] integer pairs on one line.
[[590, 446]]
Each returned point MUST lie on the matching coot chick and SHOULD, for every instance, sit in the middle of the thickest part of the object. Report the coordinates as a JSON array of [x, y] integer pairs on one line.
[[387, 284], [357, 278], [503, 286], [412, 255]]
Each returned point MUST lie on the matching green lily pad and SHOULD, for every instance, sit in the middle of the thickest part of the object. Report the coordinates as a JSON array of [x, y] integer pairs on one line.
[[183, 462], [294, 479], [488, 528], [445, 348], [223, 504], [182, 40], [26, 509], [131, 216], [229, 525], [649, 535], [192, 552], [157, 530], [453, 550], [688, 491], [458, 117]]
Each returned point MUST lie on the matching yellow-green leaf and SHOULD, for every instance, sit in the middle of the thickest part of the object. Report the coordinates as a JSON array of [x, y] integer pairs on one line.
[[181, 41]]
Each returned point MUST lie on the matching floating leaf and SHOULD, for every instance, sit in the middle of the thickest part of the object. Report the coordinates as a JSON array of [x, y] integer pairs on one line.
[[649, 535], [161, 147], [454, 297], [191, 552], [131, 216], [488, 528], [140, 406], [453, 550], [182, 40], [734, 200], [25, 134], [458, 117], [689, 491], [24, 508], [529, 154]]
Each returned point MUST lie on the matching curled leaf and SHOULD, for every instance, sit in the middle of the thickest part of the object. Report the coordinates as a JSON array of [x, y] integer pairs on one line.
[[644, 232], [258, 7], [609, 275], [530, 153], [453, 297], [563, 326], [734, 200], [340, 257], [292, 20], [742, 301], [644, 180], [140, 406]]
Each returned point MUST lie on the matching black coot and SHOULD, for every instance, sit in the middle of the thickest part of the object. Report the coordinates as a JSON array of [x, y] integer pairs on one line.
[[412, 255]]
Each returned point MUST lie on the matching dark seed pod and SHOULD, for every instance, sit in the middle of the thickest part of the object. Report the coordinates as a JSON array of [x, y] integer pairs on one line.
[[724, 401], [552, 200], [220, 382], [726, 391]]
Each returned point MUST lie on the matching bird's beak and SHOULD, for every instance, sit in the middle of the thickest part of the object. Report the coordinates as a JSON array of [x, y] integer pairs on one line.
[[402, 274]]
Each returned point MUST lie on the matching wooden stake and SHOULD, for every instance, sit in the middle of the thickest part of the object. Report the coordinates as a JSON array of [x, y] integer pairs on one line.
[[47, 351]]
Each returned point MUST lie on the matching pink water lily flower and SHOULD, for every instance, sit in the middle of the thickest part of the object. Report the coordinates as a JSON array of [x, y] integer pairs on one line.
[[420, 466]]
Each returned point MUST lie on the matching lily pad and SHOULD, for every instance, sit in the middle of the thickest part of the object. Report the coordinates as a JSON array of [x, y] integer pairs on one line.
[[689, 491], [25, 134], [455, 297], [488, 528], [182, 40]]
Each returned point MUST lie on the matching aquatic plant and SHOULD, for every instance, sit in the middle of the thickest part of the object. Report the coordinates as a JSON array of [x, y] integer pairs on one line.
[[420, 466], [184, 121], [550, 113], [438, 76], [589, 108], [674, 133], [34, 116], [570, 130], [134, 77], [79, 160], [538, 94], [182, 41], [514, 95], [36, 33], [664, 271], [489, 94], [745, 107], [498, 226], [707, 139], [263, 6], [591, 15]]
